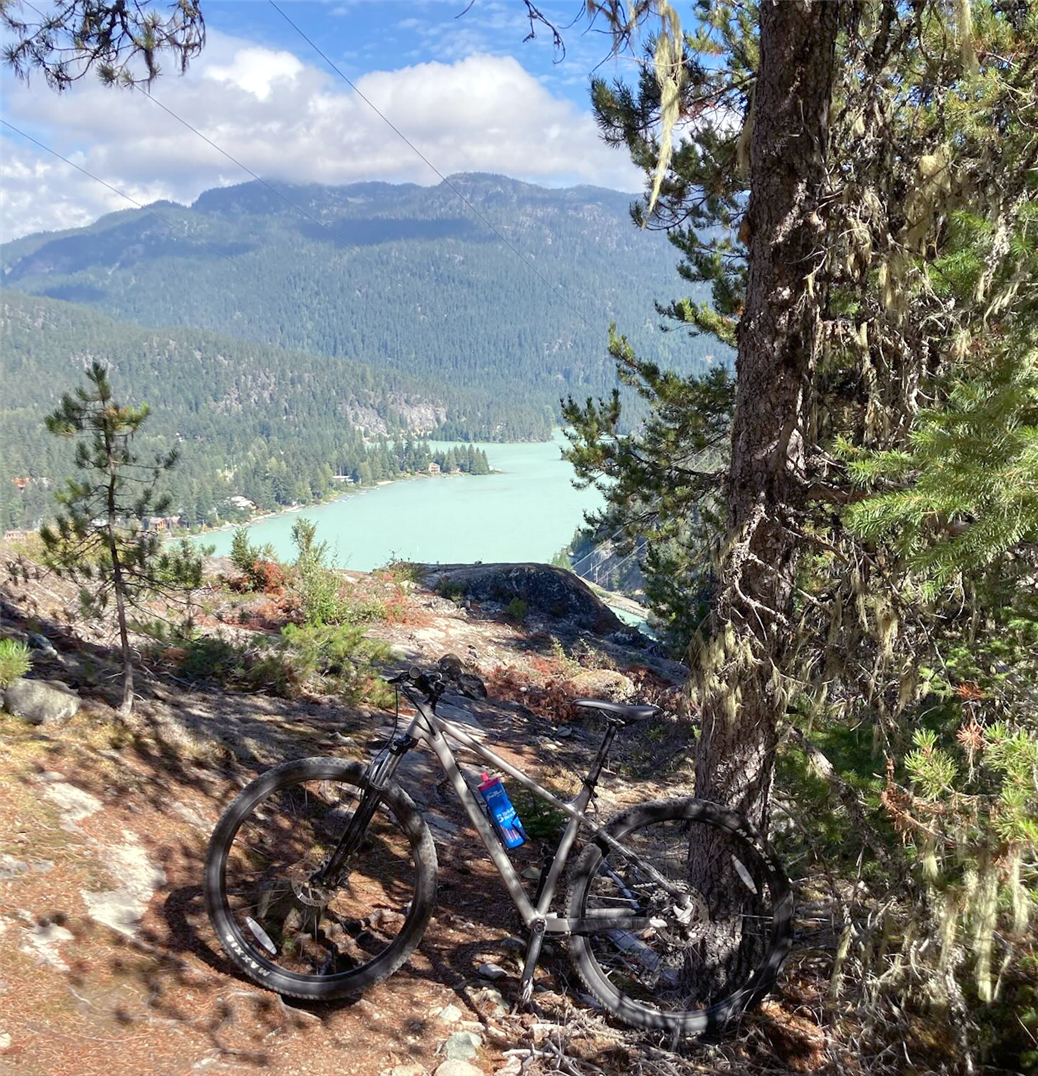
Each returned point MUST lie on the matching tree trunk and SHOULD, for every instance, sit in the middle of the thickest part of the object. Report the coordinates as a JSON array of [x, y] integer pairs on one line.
[[743, 691], [118, 582], [126, 703]]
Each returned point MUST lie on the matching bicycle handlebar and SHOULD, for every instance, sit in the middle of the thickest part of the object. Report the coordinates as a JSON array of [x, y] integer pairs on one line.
[[434, 682], [417, 676]]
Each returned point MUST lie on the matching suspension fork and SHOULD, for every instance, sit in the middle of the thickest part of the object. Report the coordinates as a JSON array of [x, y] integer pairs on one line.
[[379, 774]]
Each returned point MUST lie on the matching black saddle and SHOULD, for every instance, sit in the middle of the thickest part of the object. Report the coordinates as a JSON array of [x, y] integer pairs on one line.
[[627, 714]]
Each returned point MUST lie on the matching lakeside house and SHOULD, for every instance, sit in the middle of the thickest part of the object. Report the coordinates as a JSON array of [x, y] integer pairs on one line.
[[162, 523]]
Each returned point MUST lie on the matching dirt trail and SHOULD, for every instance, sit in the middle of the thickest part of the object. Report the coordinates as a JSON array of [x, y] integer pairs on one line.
[[110, 965]]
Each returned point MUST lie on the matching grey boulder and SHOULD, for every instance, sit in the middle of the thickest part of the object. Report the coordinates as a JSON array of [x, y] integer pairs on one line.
[[41, 702]]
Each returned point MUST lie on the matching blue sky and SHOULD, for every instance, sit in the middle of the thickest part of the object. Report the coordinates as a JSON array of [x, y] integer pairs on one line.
[[364, 35], [462, 85]]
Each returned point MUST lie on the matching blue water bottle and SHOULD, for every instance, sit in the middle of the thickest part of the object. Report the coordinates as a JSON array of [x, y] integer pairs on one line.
[[502, 811]]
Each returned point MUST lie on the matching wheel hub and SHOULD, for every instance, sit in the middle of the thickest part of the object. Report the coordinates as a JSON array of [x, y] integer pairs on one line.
[[684, 923], [313, 896]]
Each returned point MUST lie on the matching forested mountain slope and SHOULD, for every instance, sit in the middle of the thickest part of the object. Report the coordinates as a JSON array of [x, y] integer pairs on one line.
[[253, 419], [399, 276]]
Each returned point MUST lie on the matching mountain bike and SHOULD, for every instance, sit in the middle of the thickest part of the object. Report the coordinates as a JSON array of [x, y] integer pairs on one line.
[[321, 878]]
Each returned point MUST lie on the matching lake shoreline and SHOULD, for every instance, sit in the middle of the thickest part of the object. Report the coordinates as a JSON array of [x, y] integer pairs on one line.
[[525, 509], [201, 530]]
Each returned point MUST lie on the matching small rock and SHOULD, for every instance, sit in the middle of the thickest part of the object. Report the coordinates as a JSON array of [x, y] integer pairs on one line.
[[564, 733], [512, 1067], [489, 996], [449, 1014], [491, 971], [41, 643], [44, 940], [11, 867], [457, 1068], [74, 803], [117, 908], [41, 702], [385, 917], [532, 874], [516, 945], [462, 1046], [404, 1070]]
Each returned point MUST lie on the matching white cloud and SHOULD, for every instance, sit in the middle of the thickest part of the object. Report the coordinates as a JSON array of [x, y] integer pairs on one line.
[[290, 121], [256, 70]]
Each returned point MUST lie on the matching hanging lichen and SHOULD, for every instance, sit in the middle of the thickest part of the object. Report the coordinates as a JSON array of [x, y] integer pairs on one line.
[[964, 29], [669, 62]]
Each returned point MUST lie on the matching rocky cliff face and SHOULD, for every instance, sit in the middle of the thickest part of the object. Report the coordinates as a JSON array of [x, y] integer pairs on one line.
[[553, 591], [419, 416]]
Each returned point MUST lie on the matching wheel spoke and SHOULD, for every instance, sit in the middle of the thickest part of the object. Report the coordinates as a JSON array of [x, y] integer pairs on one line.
[[270, 908], [704, 945]]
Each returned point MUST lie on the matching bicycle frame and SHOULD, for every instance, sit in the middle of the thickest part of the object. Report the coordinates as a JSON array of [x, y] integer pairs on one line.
[[433, 731]]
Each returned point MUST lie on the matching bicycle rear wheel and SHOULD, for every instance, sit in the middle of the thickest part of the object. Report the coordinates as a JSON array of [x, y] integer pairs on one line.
[[303, 940], [708, 955]]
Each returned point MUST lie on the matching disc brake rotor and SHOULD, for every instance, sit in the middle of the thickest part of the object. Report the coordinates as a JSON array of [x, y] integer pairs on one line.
[[313, 896], [683, 924]]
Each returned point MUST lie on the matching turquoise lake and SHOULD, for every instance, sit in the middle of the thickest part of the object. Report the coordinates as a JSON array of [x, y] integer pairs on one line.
[[528, 512]]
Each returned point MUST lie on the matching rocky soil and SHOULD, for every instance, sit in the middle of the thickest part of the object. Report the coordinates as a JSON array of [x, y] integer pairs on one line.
[[110, 964]]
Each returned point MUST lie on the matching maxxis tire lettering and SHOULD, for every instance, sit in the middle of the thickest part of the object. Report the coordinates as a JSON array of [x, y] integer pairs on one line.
[[347, 984]]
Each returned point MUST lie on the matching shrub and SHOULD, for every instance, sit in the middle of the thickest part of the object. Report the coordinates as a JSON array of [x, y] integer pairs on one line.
[[325, 659], [258, 566], [243, 555], [339, 658], [210, 657], [404, 571], [268, 576], [14, 661], [451, 591], [516, 610], [319, 599], [363, 610]]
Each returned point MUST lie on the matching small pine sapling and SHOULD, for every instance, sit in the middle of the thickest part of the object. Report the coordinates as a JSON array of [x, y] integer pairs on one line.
[[99, 538]]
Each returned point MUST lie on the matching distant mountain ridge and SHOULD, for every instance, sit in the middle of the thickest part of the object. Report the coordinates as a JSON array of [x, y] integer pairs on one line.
[[397, 276]]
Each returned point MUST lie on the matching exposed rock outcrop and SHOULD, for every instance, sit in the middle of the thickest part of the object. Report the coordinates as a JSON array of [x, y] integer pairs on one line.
[[550, 590], [41, 702]]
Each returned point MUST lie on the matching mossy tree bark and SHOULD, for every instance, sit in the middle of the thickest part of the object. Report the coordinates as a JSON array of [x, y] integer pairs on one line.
[[743, 690]]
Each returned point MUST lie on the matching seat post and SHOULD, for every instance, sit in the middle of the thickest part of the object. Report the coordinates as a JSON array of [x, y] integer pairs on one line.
[[603, 750]]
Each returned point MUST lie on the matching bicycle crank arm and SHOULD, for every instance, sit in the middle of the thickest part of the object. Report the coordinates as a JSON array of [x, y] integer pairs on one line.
[[600, 924]]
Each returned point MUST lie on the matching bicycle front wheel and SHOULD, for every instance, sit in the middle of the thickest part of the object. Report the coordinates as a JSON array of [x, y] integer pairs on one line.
[[708, 954], [309, 941]]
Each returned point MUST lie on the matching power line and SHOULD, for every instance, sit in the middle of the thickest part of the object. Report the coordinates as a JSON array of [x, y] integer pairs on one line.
[[515, 250], [342, 243], [235, 160], [288, 201], [122, 194], [259, 179]]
